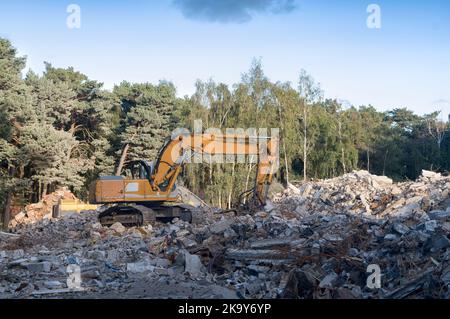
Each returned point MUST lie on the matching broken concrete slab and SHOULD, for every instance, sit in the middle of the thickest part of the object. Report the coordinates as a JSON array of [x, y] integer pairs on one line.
[[439, 214], [270, 243], [140, 267], [430, 174], [253, 254], [221, 226], [38, 267], [193, 265], [329, 280], [118, 228], [401, 228], [53, 284]]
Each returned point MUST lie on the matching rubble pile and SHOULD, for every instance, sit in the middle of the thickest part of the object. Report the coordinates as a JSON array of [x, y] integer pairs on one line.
[[43, 209], [358, 220], [322, 239], [360, 193]]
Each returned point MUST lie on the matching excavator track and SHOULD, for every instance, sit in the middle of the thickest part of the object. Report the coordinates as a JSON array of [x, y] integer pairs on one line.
[[127, 215], [140, 215]]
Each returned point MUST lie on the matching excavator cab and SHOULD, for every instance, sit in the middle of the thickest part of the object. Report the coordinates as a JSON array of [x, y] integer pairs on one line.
[[138, 170], [133, 185]]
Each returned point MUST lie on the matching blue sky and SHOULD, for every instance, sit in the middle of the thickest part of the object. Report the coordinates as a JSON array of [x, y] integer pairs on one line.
[[406, 63]]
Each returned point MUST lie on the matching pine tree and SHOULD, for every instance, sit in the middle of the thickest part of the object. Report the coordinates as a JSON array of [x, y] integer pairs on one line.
[[148, 117], [12, 94]]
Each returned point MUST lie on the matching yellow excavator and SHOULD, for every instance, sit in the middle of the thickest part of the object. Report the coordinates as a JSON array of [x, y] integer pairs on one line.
[[148, 190]]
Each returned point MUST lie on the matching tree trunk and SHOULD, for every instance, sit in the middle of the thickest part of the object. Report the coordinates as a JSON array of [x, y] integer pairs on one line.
[[39, 191], [72, 129], [247, 179], [230, 193], [384, 163], [122, 159], [284, 142], [7, 211], [305, 154], [342, 147], [286, 161], [210, 171], [21, 171], [44, 190], [368, 160]]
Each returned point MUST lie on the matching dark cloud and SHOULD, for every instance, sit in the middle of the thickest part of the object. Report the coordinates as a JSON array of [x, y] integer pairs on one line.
[[231, 11]]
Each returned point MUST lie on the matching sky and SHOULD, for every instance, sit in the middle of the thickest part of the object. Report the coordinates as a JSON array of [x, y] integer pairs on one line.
[[403, 62]]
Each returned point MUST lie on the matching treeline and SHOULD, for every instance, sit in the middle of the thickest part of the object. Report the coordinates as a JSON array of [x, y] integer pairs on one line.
[[63, 129]]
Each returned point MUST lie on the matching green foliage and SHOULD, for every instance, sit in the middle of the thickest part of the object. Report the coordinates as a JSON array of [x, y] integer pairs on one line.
[[10, 66], [52, 156], [148, 113], [63, 129], [55, 129]]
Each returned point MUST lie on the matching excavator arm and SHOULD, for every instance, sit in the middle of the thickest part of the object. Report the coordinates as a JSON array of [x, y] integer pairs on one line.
[[181, 149]]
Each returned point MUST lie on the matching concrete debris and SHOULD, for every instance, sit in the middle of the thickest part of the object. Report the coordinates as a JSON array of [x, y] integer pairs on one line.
[[221, 226], [53, 284], [329, 281], [118, 228], [6, 236], [193, 265], [140, 267], [318, 240], [38, 267], [439, 214], [42, 210], [431, 175]]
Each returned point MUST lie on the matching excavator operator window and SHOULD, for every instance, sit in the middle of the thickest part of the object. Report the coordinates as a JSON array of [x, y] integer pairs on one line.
[[136, 170]]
